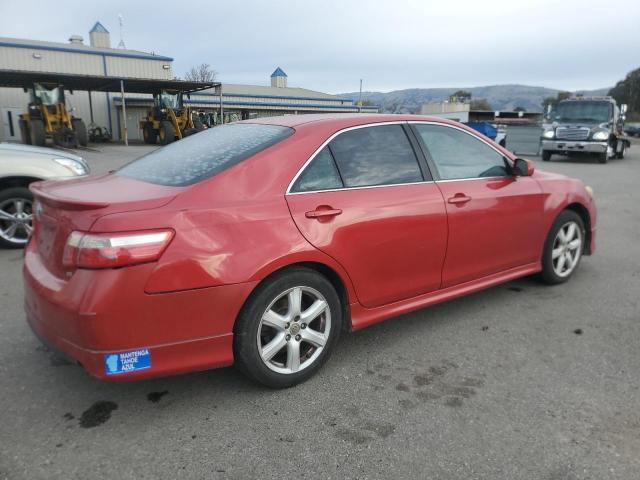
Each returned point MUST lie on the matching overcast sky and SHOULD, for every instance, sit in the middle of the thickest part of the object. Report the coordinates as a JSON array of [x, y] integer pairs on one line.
[[329, 45]]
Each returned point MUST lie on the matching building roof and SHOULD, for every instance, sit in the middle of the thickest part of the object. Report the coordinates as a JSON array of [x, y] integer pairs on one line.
[[98, 28], [98, 83], [263, 91], [278, 72], [79, 48]]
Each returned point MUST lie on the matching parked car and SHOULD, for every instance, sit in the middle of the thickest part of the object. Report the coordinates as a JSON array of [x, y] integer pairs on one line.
[[20, 165], [258, 243], [632, 130]]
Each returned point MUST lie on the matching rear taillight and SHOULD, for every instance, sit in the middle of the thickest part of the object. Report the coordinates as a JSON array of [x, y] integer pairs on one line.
[[111, 250]]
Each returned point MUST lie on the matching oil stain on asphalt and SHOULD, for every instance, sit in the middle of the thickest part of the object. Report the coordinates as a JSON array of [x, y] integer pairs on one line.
[[97, 414], [155, 397]]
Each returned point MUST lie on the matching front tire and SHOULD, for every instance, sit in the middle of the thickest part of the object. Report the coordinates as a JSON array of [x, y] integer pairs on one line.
[[563, 248], [603, 157], [15, 217], [167, 133], [288, 328], [546, 155]]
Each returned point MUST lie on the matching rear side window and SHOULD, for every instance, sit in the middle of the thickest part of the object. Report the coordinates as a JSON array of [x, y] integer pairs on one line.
[[377, 155], [320, 174], [201, 156]]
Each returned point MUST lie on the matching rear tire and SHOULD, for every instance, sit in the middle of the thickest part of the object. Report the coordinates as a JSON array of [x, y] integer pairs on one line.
[[167, 133], [546, 155], [149, 134], [273, 333], [569, 244], [37, 132], [81, 132], [24, 132]]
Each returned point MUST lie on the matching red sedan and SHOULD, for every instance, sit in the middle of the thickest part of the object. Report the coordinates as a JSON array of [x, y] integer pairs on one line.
[[257, 243]]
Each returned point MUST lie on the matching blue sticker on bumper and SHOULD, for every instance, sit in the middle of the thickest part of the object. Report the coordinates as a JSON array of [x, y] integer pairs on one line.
[[127, 362]]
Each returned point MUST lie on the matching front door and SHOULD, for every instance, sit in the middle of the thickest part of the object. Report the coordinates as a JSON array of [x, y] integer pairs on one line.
[[495, 218], [10, 124], [367, 202]]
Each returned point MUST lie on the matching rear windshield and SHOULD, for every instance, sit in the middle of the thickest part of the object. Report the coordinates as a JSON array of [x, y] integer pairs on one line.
[[205, 154]]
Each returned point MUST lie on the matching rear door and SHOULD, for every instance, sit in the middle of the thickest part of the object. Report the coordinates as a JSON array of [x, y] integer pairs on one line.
[[367, 200], [495, 218]]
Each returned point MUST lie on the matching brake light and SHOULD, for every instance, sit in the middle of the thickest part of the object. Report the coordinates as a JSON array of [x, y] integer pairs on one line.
[[111, 250]]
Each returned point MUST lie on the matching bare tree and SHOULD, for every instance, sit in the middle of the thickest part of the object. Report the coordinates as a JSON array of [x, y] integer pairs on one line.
[[201, 73]]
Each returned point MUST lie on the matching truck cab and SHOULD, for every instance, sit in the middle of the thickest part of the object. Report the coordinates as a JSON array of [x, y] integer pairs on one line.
[[591, 125]]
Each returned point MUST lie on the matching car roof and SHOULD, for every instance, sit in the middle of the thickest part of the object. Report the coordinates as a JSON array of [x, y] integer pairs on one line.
[[343, 119]]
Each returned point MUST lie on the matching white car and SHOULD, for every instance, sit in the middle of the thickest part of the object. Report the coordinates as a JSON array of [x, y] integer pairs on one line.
[[21, 165]]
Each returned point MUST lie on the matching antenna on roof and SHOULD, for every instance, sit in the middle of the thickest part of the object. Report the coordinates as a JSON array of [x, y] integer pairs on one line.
[[121, 22]]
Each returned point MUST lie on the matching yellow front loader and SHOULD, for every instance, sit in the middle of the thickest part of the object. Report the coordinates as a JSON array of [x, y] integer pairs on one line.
[[169, 119], [47, 117]]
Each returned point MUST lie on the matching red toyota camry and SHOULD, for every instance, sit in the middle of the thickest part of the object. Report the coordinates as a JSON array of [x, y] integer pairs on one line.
[[257, 243]]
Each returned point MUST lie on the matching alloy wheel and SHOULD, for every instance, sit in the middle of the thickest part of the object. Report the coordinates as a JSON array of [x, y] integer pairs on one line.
[[567, 249], [294, 330], [16, 220]]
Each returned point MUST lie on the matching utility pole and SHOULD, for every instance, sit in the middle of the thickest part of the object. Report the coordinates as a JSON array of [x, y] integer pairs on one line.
[[360, 98]]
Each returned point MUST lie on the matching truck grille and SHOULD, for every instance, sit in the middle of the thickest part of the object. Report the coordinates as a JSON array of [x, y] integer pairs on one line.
[[569, 133]]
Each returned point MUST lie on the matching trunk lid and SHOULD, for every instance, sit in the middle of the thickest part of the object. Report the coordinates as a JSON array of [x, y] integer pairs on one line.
[[65, 206]]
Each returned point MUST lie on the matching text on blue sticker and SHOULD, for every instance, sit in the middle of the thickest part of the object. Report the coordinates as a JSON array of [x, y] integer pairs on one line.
[[125, 362]]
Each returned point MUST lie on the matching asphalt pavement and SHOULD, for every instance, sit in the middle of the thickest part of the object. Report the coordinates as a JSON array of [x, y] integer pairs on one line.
[[521, 381]]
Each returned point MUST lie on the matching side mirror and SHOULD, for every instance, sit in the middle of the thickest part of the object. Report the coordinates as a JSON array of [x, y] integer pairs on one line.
[[623, 108], [523, 168]]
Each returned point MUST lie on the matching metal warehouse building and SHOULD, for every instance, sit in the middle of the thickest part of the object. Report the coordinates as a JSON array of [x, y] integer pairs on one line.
[[99, 58]]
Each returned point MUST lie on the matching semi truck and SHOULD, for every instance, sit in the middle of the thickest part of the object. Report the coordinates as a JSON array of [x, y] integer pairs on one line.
[[590, 125]]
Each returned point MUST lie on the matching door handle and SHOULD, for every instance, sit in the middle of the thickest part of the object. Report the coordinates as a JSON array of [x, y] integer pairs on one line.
[[323, 212], [459, 199]]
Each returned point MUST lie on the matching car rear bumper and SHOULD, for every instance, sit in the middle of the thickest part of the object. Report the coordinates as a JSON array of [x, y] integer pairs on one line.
[[96, 314], [574, 146]]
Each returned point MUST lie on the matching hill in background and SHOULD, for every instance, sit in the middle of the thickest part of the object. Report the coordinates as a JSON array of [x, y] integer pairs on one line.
[[500, 97]]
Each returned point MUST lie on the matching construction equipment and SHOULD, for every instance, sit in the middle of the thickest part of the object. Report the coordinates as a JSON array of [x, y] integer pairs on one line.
[[47, 117], [169, 119]]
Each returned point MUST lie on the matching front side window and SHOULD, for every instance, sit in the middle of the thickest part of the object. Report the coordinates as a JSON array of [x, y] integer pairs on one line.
[[458, 154], [320, 174], [377, 155], [201, 156]]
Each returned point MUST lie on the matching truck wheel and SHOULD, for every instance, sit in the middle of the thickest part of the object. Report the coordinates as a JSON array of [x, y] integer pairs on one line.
[[603, 157], [37, 133], [167, 133], [546, 155], [81, 131], [149, 134], [24, 132]]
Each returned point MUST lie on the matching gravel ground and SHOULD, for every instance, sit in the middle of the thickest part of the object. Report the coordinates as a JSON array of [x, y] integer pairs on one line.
[[522, 381]]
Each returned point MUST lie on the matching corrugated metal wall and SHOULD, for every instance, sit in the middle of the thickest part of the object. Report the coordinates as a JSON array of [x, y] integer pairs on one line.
[[104, 112]]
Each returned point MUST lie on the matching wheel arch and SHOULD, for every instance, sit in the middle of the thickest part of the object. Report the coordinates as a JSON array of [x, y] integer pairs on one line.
[[328, 272], [17, 181], [582, 211]]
